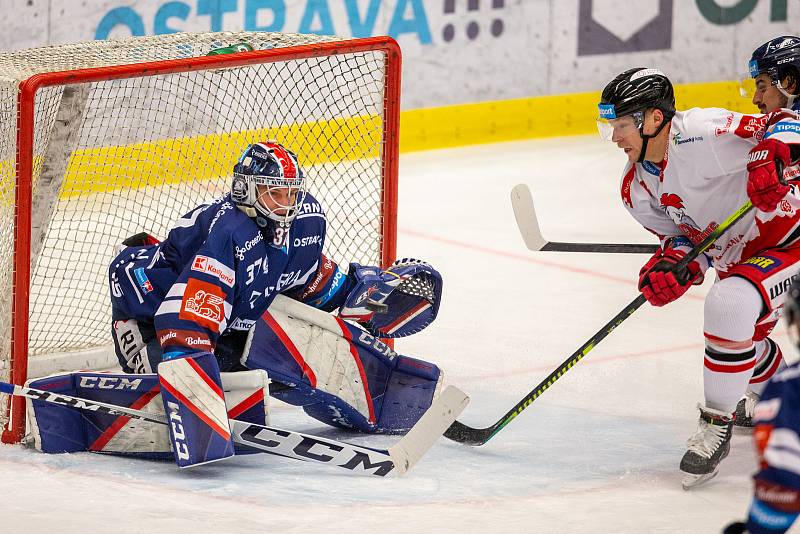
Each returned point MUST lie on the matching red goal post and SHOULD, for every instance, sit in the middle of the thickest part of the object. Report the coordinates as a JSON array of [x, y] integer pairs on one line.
[[91, 155]]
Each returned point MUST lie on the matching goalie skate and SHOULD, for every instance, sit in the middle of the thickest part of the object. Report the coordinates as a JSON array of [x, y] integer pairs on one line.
[[707, 447]]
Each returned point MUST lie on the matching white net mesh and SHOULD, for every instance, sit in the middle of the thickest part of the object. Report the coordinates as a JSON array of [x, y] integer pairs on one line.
[[113, 158]]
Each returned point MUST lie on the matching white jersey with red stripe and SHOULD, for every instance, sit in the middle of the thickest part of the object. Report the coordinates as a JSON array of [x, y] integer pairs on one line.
[[703, 179]]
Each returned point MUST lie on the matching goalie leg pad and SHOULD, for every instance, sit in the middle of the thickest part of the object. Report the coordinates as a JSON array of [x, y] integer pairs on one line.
[[58, 429], [338, 373], [194, 403]]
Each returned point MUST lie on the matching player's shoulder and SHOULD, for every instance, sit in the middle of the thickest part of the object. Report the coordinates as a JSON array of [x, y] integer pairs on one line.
[[310, 205], [695, 125], [310, 211], [224, 218]]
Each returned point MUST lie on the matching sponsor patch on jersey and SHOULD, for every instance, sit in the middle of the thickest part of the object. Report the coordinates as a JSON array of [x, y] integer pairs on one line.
[[722, 130], [782, 127], [142, 280], [763, 263], [652, 168], [782, 287], [678, 139], [242, 324], [751, 127], [184, 338], [215, 268], [204, 304]]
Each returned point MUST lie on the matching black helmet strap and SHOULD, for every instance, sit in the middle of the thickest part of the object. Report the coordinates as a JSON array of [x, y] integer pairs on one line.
[[646, 138]]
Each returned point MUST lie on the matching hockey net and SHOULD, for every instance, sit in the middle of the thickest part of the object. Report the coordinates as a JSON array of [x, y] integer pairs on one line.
[[105, 139]]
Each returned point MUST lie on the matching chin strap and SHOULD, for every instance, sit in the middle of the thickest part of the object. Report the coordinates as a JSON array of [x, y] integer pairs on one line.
[[646, 138]]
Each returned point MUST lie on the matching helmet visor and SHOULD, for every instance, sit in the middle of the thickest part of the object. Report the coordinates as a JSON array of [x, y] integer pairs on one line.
[[618, 128]]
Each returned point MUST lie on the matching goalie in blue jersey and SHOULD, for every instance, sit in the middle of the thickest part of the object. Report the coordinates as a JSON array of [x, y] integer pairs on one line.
[[241, 283]]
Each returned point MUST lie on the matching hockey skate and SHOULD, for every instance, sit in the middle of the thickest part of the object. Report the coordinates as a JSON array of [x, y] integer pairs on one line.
[[707, 447], [743, 416]]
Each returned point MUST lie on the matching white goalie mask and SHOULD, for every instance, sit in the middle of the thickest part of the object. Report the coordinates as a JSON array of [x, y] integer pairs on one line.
[[268, 183]]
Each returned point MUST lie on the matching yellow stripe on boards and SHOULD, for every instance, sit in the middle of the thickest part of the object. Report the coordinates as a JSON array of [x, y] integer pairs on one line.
[[206, 157], [540, 116], [212, 156]]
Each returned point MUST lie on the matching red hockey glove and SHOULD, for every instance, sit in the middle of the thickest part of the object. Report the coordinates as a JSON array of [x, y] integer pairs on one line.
[[764, 186], [659, 283]]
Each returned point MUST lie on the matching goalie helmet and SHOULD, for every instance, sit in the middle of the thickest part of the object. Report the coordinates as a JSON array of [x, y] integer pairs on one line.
[[268, 183]]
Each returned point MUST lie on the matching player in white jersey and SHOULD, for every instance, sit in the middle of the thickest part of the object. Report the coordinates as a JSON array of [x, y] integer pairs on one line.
[[687, 172]]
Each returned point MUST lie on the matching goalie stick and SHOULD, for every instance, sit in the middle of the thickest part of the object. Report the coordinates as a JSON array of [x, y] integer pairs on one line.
[[398, 458], [525, 213], [478, 436]]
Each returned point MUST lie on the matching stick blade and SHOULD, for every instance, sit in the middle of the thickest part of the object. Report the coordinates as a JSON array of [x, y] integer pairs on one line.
[[525, 213], [445, 409]]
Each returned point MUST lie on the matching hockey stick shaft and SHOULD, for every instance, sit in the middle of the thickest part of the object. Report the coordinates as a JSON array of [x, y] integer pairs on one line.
[[356, 459], [528, 223], [478, 436]]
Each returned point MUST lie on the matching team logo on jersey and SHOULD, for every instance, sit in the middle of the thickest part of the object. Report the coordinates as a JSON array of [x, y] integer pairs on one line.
[[672, 204], [204, 304], [143, 281], [218, 270], [763, 263]]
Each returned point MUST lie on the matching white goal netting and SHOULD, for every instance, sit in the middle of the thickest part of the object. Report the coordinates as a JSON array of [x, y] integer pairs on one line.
[[132, 152]]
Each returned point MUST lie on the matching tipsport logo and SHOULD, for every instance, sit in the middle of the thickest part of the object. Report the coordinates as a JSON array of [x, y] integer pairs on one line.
[[607, 111]]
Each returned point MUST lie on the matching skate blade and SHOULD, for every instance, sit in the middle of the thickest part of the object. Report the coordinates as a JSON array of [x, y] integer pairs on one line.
[[692, 481]]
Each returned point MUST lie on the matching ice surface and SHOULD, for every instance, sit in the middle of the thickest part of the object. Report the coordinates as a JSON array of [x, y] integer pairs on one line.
[[598, 452]]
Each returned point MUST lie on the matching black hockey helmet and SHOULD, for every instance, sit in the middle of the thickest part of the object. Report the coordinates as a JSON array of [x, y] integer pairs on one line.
[[631, 94], [638, 89], [778, 58]]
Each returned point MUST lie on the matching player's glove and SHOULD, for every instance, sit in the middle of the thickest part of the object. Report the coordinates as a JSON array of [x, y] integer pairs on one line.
[[765, 168], [660, 283]]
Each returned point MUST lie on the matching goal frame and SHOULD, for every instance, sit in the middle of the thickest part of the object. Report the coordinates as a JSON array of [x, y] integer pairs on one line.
[[14, 428]]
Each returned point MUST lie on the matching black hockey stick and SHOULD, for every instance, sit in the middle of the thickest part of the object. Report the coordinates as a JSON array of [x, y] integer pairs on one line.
[[478, 436], [528, 223], [398, 458]]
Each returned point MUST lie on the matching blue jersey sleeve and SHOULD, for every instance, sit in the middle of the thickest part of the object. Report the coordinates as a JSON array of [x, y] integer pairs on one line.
[[776, 503], [328, 288]]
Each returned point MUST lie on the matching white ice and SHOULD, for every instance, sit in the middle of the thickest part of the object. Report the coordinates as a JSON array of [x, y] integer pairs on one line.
[[597, 452]]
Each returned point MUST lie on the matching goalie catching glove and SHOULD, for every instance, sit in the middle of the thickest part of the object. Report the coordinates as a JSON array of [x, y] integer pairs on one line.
[[395, 302]]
